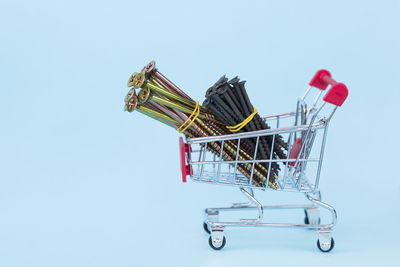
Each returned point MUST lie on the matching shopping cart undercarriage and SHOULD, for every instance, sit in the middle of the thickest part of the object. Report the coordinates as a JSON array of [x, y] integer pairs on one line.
[[305, 131]]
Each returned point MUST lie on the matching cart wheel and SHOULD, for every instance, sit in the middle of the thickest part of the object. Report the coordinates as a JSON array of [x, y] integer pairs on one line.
[[217, 248], [205, 226], [327, 249]]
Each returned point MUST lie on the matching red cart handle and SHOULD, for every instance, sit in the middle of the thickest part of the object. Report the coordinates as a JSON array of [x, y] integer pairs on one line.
[[338, 92], [185, 168]]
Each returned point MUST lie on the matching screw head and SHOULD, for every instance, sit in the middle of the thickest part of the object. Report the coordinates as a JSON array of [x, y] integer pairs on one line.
[[143, 95], [129, 95], [131, 104], [150, 67], [131, 79], [222, 90], [138, 80]]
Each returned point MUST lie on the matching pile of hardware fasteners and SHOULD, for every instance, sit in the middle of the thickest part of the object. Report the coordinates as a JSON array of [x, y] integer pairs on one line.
[[226, 110]]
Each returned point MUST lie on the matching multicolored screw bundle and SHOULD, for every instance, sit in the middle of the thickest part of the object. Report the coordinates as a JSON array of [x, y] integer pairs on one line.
[[162, 100]]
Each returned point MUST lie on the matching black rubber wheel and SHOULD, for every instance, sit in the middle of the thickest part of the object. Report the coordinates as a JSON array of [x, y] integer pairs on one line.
[[206, 228], [332, 245], [218, 248]]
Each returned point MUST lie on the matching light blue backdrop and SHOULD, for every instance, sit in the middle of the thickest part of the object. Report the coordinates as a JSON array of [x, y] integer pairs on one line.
[[84, 184]]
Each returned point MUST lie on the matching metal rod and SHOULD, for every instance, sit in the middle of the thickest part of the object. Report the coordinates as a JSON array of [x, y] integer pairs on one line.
[[321, 156], [256, 161], [254, 158], [318, 125]]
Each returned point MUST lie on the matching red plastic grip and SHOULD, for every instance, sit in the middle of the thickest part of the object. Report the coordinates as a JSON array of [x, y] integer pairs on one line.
[[338, 92], [319, 81], [185, 168]]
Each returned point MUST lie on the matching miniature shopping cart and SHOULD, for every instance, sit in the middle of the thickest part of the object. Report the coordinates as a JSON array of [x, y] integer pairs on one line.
[[305, 131]]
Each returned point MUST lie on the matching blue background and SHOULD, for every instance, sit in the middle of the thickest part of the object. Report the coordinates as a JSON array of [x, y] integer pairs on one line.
[[84, 184]]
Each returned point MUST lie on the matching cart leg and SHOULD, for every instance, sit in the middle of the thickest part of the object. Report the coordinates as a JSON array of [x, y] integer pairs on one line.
[[246, 204], [325, 241], [211, 216], [312, 216], [260, 208], [318, 203], [217, 239]]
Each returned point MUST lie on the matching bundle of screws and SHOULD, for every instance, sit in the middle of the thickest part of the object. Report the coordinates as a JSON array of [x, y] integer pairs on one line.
[[229, 102], [162, 100]]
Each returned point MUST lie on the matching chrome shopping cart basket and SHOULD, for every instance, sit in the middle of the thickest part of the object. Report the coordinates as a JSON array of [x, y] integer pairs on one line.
[[305, 131]]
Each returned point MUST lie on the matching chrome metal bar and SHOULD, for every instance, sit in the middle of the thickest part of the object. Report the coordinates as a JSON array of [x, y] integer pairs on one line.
[[308, 150], [245, 184], [280, 115], [258, 205], [261, 208], [215, 173], [316, 99], [325, 206], [306, 93], [333, 112], [220, 156], [296, 118], [321, 157], [270, 158], [276, 225], [287, 160], [201, 151], [204, 156], [251, 161], [222, 149], [244, 205], [308, 132], [265, 207], [237, 156], [254, 158], [283, 130]]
